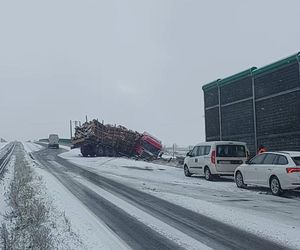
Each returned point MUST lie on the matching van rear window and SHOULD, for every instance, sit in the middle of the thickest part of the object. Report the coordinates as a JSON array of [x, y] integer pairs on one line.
[[231, 151], [296, 160]]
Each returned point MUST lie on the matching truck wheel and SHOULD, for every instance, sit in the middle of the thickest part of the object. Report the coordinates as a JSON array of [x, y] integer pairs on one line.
[[110, 152], [92, 151], [100, 151], [83, 151], [106, 152], [114, 153]]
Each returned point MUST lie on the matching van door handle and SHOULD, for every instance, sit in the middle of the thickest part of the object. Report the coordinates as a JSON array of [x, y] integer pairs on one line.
[[196, 160]]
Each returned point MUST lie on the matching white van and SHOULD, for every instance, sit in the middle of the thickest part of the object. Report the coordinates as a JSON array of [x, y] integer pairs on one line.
[[215, 158]]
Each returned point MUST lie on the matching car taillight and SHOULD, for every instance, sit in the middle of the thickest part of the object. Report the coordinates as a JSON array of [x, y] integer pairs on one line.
[[213, 157], [292, 170]]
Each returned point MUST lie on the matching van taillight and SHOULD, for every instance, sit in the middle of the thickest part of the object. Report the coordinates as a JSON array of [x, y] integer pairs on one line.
[[213, 157], [292, 170]]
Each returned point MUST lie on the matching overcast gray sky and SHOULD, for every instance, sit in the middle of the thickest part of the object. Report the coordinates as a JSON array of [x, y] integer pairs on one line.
[[132, 62]]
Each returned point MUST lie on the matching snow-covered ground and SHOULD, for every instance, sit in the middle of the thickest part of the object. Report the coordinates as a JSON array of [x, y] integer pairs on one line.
[[93, 233], [5, 181], [31, 147], [166, 230], [254, 210]]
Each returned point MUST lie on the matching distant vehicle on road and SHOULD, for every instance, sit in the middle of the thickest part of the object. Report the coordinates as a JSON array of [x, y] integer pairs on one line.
[[53, 141], [216, 158], [278, 170]]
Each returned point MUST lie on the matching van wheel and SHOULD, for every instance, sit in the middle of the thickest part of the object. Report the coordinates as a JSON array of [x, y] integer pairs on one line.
[[239, 181], [186, 171], [207, 174], [275, 186]]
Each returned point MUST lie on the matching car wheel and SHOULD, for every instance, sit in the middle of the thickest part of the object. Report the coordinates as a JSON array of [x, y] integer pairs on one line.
[[239, 181], [207, 174], [275, 186], [186, 171]]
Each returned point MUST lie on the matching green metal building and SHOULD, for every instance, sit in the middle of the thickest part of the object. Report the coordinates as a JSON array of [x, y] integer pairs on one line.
[[260, 106]]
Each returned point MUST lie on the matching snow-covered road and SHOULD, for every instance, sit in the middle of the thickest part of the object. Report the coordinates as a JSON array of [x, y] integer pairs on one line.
[[254, 210], [163, 208]]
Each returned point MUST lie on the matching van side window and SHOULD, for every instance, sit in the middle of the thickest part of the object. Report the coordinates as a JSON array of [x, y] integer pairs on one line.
[[201, 151], [206, 150], [194, 151]]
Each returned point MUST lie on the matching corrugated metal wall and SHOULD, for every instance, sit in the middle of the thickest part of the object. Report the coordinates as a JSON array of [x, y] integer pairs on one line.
[[261, 108]]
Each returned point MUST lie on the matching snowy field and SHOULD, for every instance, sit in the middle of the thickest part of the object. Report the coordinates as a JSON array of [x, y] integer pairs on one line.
[[254, 210]]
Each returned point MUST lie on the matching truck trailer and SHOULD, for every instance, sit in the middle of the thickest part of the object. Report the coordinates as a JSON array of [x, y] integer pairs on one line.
[[96, 139], [53, 141]]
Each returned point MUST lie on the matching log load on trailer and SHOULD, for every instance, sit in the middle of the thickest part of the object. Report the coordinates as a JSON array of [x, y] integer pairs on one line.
[[96, 139]]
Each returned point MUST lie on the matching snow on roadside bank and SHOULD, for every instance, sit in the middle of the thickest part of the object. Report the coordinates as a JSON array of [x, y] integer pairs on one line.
[[162, 181], [45, 226], [5, 181], [92, 232]]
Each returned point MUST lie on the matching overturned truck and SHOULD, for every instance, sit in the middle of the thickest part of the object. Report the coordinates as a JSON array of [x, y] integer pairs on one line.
[[96, 139]]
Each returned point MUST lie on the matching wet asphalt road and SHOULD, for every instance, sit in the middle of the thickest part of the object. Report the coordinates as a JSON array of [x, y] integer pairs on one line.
[[137, 235]]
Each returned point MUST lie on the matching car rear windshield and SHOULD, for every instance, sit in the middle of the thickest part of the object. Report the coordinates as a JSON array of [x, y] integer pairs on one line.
[[297, 160], [231, 151]]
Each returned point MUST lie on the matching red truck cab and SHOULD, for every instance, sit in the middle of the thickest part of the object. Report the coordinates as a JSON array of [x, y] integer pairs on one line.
[[148, 147]]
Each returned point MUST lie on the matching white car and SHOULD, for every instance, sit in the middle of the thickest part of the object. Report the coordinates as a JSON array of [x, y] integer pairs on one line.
[[278, 170], [215, 158]]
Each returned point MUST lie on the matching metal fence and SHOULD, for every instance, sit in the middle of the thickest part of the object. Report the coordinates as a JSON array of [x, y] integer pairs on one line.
[[257, 106]]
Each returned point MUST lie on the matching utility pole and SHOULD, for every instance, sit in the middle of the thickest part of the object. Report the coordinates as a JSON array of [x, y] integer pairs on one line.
[[71, 129], [86, 118]]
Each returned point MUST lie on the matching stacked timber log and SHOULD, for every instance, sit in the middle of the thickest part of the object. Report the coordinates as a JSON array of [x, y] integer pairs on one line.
[[116, 137]]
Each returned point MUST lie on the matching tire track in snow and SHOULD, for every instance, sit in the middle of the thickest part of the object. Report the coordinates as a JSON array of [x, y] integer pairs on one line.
[[210, 232], [136, 234]]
